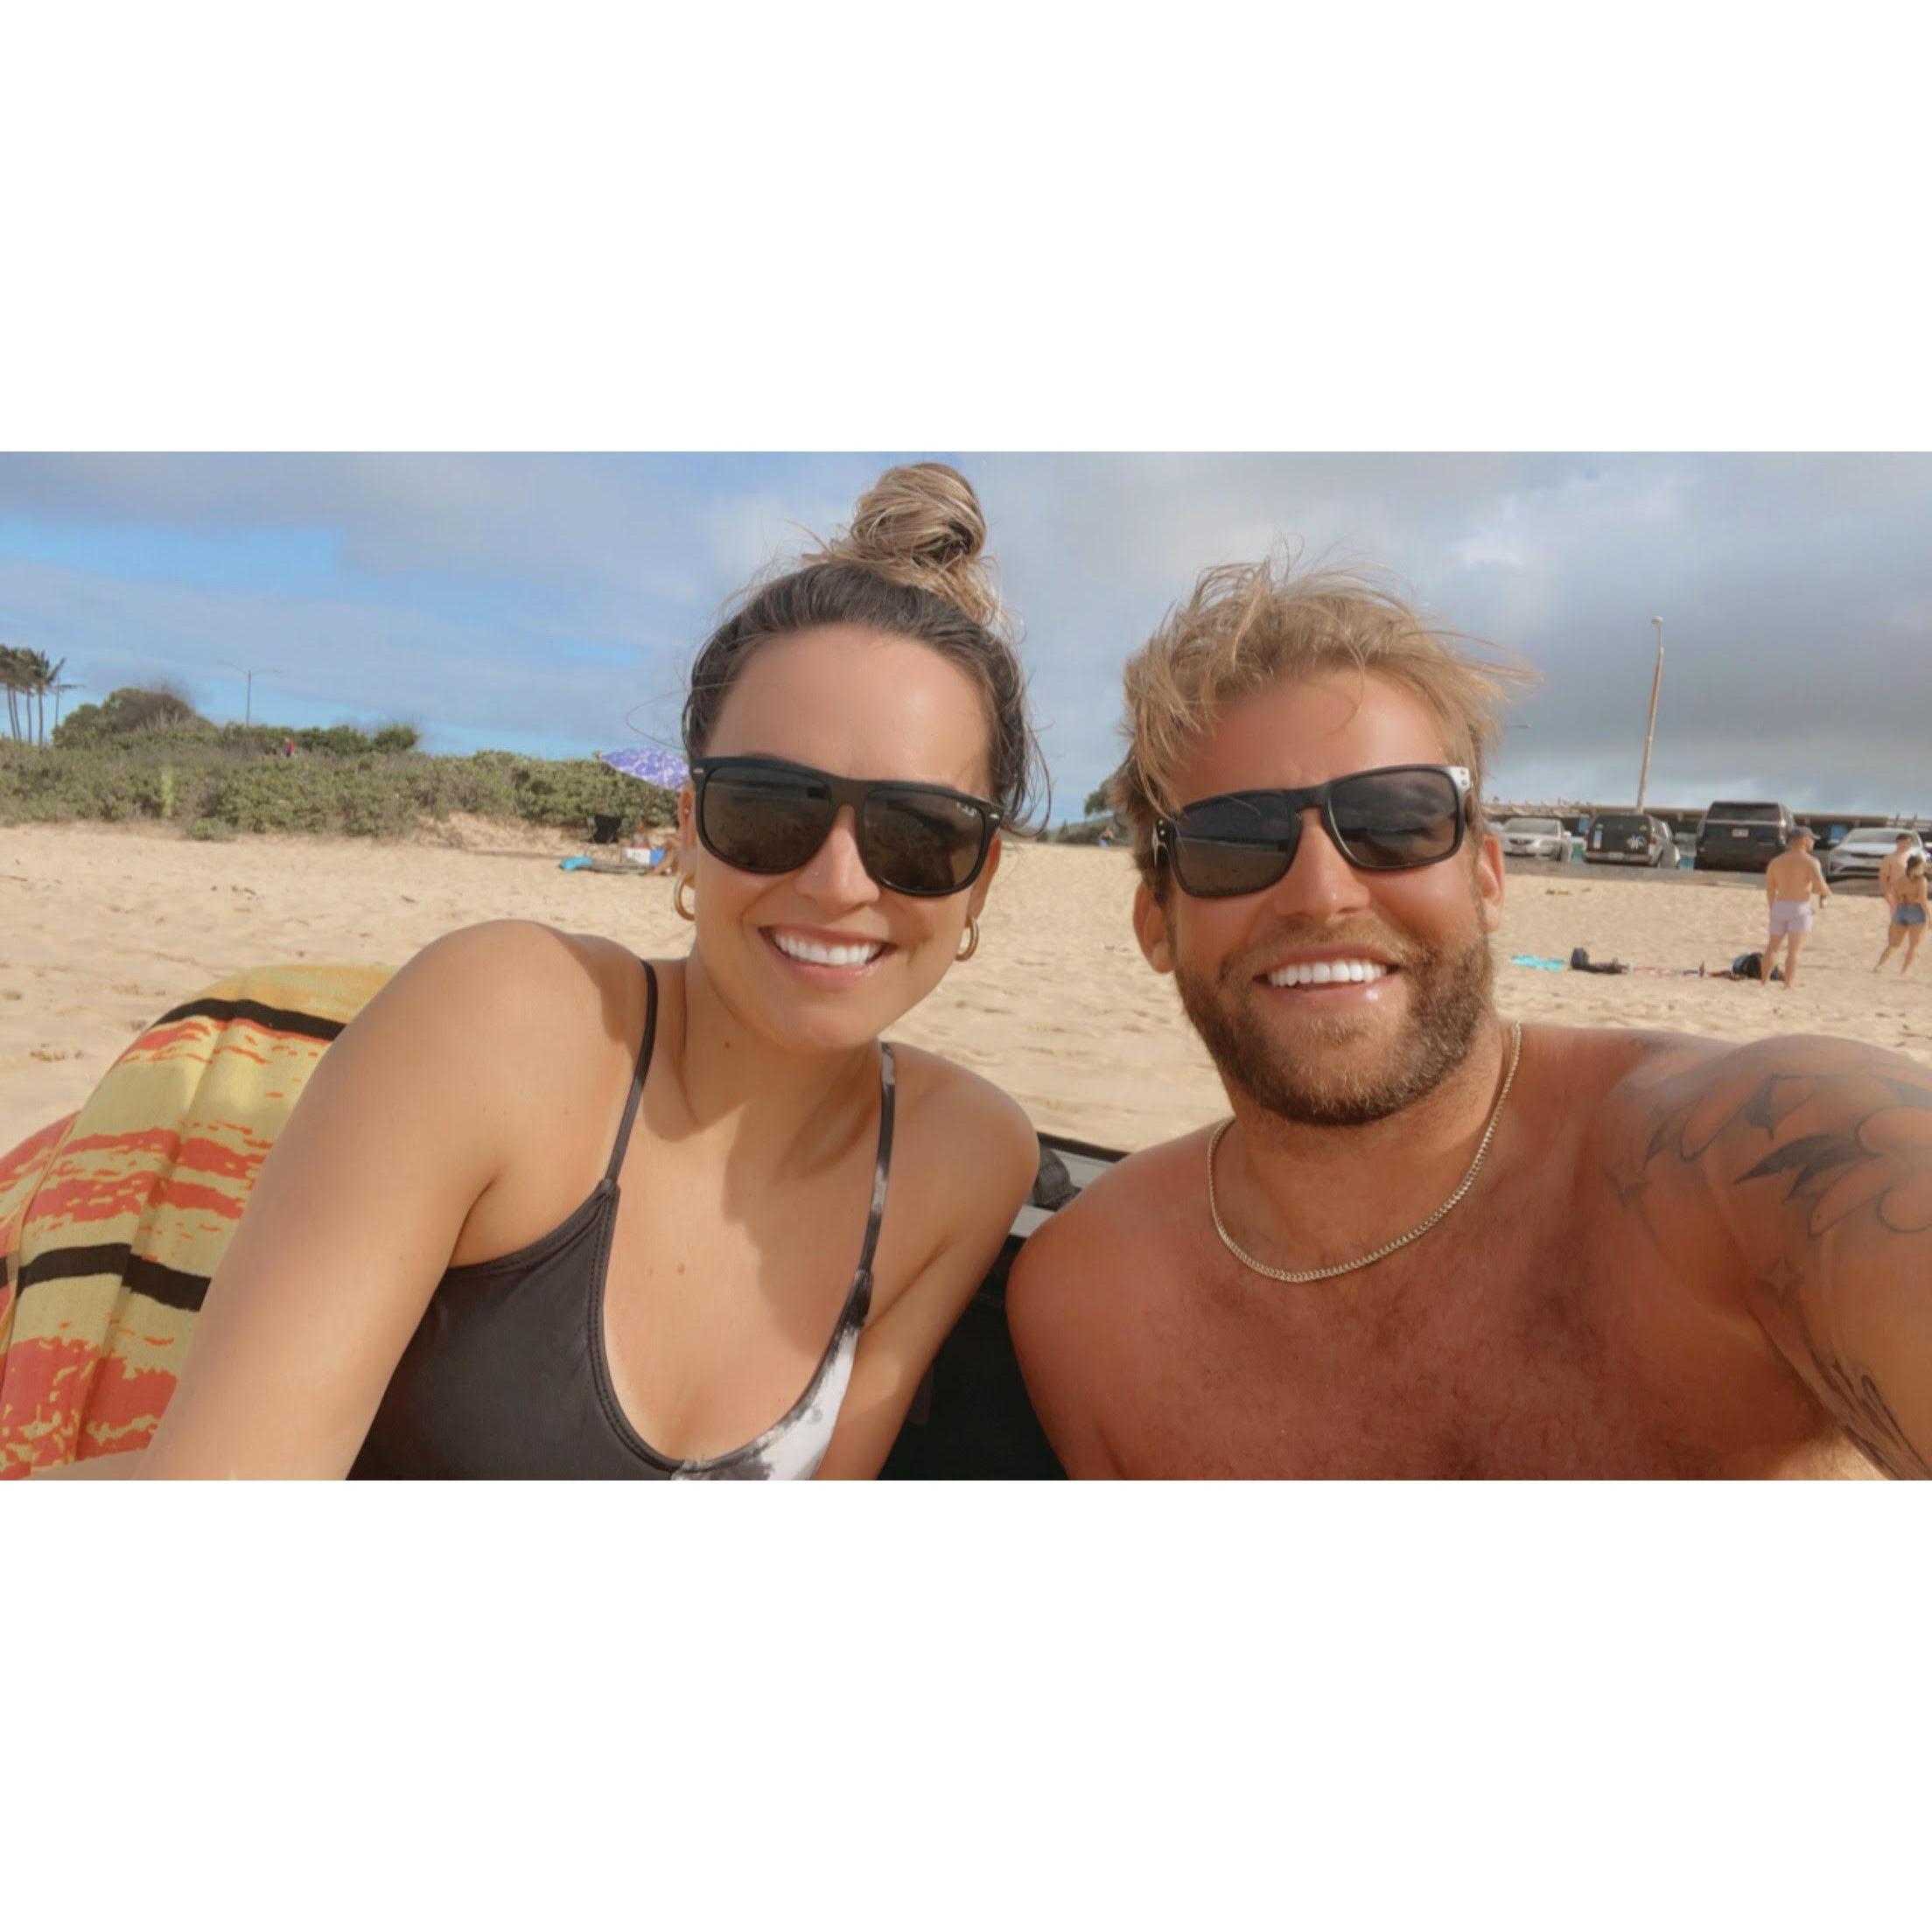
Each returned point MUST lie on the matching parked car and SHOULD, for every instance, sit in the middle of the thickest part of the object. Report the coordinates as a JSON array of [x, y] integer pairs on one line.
[[1858, 853], [1629, 838], [1742, 834], [1534, 838]]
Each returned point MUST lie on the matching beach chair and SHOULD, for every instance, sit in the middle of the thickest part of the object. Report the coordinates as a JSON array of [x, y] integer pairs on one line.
[[114, 1219]]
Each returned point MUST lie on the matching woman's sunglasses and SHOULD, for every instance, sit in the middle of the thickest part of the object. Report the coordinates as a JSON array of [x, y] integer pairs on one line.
[[764, 814], [1388, 820]]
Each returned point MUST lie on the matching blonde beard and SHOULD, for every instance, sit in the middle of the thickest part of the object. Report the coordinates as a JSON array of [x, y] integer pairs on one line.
[[1448, 1001]]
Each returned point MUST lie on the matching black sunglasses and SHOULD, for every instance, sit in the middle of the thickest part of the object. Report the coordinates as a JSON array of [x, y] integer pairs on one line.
[[1389, 820], [766, 815]]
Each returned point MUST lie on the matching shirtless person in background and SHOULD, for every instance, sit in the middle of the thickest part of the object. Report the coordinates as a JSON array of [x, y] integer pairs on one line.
[[1789, 881], [1430, 1242], [1891, 872]]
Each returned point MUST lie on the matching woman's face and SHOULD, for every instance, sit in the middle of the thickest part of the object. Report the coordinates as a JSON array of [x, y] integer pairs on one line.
[[857, 704]]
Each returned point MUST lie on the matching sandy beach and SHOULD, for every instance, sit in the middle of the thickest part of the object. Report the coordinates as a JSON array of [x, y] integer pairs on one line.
[[105, 927]]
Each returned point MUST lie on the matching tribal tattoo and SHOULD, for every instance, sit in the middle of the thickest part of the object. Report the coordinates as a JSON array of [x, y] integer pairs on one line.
[[1819, 1153]]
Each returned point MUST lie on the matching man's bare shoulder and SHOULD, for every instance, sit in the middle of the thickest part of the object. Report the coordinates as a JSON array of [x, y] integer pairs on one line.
[[1140, 1205], [1126, 1238], [1080, 1290], [1666, 1073], [1692, 1122], [1625, 1078]]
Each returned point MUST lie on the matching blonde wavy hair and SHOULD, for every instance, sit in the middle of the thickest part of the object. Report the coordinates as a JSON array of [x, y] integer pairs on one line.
[[1248, 626]]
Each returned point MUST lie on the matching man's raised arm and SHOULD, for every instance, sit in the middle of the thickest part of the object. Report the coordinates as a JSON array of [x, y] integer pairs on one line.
[[1813, 1158]]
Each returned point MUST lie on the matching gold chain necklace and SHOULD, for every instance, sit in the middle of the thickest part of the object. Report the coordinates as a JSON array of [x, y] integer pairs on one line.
[[1388, 1248]]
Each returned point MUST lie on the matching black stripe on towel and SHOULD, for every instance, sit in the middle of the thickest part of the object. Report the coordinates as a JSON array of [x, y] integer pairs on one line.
[[281, 1020], [171, 1287]]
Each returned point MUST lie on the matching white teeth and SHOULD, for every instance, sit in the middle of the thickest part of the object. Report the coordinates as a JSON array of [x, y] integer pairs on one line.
[[1325, 972], [813, 953]]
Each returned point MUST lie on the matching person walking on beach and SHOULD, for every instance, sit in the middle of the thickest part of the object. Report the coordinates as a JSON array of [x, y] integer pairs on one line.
[[547, 1210], [1431, 1241], [1789, 882], [1891, 872], [1909, 915]]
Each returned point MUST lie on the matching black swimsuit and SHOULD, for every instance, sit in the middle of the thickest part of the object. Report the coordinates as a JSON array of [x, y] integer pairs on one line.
[[507, 1373]]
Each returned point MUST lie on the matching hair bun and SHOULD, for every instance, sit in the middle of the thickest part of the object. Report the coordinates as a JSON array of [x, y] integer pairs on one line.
[[921, 524]]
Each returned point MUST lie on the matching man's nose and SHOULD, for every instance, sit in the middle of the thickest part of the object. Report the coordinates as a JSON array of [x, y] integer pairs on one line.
[[1321, 884]]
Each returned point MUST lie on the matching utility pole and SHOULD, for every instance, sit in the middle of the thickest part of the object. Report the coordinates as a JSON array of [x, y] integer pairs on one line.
[[247, 687], [1650, 729], [57, 689]]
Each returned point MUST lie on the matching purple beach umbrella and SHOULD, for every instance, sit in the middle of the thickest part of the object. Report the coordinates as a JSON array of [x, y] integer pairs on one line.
[[648, 762]]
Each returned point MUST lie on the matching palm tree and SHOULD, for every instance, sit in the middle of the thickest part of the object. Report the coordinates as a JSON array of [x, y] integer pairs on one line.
[[49, 684], [29, 668], [8, 675]]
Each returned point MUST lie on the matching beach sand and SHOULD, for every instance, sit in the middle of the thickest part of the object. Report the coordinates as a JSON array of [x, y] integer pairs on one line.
[[102, 928]]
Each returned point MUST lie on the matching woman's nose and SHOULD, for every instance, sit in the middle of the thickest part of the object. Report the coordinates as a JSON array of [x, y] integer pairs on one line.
[[835, 875]]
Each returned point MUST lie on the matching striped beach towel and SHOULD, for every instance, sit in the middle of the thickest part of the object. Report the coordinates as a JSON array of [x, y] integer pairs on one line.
[[113, 1220]]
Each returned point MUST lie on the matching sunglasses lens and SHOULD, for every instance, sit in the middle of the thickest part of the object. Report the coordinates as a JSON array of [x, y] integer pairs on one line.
[[1388, 820], [920, 842], [1227, 846], [764, 821]]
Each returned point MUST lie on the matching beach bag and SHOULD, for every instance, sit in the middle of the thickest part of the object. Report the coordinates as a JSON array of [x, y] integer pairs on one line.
[[1580, 962], [113, 1221]]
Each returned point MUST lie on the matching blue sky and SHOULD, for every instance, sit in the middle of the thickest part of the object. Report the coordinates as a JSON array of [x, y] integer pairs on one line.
[[551, 603]]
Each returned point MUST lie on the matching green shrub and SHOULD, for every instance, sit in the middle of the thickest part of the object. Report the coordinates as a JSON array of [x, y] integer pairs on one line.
[[228, 778]]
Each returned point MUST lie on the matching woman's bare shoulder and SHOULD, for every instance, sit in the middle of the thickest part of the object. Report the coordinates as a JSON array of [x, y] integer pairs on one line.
[[955, 1124], [951, 1098], [487, 1020], [513, 957], [526, 976]]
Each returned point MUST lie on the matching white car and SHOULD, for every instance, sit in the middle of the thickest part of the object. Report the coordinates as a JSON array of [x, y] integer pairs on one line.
[[1859, 854], [1534, 838]]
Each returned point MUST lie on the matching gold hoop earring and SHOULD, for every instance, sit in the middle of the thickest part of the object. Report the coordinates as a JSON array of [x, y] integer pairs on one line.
[[689, 912], [972, 941]]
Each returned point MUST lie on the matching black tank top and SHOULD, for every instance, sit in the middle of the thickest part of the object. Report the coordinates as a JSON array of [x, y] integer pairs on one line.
[[507, 1375]]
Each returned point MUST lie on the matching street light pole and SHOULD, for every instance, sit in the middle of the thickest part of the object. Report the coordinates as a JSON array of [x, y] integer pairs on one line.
[[1650, 729]]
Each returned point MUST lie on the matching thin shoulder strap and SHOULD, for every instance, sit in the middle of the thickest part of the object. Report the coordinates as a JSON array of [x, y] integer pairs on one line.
[[861, 1298], [637, 1078]]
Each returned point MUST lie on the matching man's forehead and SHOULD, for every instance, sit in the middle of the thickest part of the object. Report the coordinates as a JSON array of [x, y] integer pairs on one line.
[[1307, 730]]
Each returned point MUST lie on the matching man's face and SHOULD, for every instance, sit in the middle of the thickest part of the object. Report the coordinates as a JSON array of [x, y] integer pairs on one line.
[[1344, 1053]]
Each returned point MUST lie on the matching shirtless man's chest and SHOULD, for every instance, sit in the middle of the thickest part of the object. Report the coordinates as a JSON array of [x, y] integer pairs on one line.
[[1503, 1348]]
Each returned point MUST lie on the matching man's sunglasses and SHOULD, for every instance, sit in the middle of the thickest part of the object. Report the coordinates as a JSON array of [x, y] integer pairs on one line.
[[1388, 820], [764, 815]]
